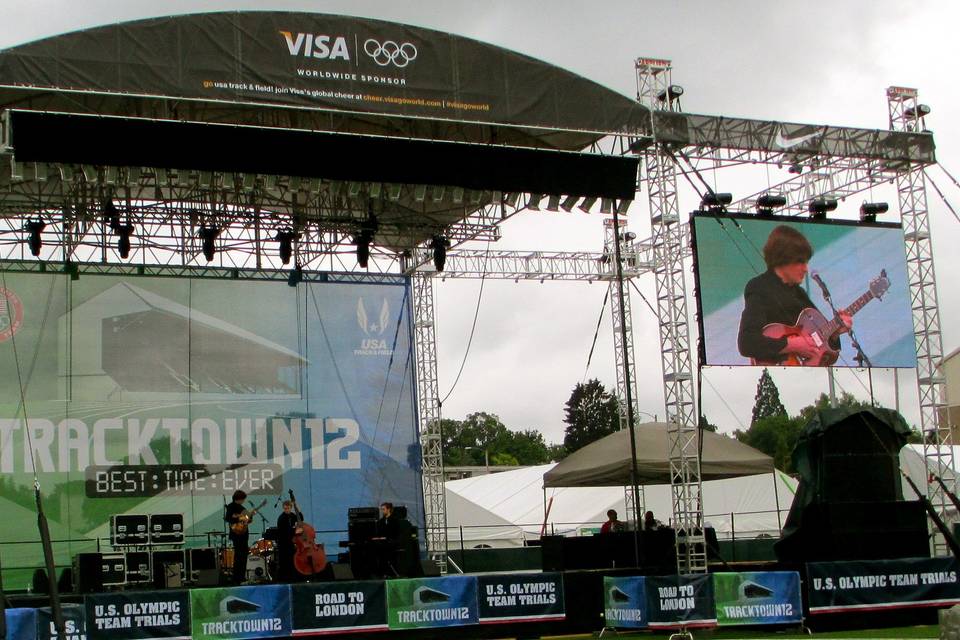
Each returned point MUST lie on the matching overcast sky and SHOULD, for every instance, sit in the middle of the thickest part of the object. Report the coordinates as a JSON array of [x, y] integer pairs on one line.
[[817, 62]]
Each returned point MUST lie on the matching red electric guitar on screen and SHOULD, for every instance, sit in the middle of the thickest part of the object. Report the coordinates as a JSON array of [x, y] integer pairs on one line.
[[813, 325]]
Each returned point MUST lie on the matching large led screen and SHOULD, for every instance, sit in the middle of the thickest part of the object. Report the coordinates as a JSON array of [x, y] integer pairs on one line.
[[165, 395], [762, 286]]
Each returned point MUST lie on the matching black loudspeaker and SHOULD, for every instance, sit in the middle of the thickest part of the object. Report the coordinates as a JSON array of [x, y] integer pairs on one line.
[[88, 572], [206, 577], [65, 583], [202, 559], [342, 571], [856, 462], [430, 568]]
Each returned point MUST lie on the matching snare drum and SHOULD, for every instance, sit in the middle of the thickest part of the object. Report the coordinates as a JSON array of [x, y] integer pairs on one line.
[[261, 547], [226, 558]]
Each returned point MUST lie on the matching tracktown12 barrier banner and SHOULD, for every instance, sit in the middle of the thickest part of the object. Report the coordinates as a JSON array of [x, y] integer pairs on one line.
[[745, 305], [337, 607], [770, 597], [261, 611], [625, 601], [138, 615], [882, 584], [165, 395], [526, 597], [432, 602]]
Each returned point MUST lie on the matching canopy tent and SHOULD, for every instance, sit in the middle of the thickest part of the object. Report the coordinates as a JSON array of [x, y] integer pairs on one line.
[[472, 526], [740, 507], [606, 462]]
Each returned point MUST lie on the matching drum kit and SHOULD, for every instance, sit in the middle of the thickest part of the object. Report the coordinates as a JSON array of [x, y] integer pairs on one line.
[[262, 561]]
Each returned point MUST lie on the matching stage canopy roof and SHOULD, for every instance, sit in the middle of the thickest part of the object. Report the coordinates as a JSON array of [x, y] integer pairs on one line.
[[606, 462]]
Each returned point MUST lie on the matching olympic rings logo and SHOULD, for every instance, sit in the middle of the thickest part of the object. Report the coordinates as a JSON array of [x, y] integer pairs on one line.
[[389, 52]]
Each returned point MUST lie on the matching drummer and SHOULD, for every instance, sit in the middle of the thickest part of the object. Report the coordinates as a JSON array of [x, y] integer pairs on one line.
[[288, 526]]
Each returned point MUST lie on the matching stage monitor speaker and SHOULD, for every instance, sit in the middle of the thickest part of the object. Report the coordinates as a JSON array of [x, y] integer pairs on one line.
[[342, 571], [206, 577], [201, 558], [65, 583], [430, 568]]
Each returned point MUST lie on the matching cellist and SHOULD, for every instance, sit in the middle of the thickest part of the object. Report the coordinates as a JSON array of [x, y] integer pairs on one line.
[[288, 526]]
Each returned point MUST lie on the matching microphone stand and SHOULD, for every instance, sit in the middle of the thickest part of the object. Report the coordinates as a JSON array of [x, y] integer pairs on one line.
[[861, 357]]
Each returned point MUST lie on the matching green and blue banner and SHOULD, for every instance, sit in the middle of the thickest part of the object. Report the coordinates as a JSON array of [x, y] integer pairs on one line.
[[432, 602], [758, 597], [261, 611], [339, 607], [521, 597], [625, 601], [838, 587], [21, 624]]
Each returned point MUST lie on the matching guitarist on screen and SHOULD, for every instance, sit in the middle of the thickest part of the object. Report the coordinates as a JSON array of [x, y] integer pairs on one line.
[[775, 297], [238, 517]]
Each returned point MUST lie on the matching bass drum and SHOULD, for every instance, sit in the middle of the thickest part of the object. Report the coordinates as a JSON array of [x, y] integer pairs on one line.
[[257, 569]]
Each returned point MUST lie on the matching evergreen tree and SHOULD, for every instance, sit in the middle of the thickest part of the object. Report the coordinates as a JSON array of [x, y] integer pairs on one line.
[[767, 401], [591, 413]]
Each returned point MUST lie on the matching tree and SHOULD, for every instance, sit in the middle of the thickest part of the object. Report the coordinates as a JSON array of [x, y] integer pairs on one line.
[[767, 401], [481, 438], [775, 436], [706, 425], [591, 413]]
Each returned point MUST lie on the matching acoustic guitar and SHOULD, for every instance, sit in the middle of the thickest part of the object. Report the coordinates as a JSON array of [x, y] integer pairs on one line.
[[243, 520], [813, 325]]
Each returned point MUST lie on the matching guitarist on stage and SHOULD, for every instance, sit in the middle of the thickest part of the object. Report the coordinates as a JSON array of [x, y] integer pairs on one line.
[[237, 517], [775, 296]]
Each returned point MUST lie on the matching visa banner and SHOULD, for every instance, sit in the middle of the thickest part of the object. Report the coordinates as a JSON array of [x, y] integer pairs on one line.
[[769, 597], [420, 603]]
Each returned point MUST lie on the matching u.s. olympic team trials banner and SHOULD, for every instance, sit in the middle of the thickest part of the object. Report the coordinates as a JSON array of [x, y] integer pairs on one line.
[[527, 597], [162, 395], [138, 615], [834, 587], [339, 607], [420, 603], [758, 598], [74, 623]]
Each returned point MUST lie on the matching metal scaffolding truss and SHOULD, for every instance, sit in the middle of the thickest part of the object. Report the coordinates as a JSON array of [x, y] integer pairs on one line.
[[906, 114]]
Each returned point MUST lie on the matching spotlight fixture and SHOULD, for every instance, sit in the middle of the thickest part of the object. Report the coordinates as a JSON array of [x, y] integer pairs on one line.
[[208, 237], [111, 214], [363, 238], [35, 242], [534, 203], [606, 205], [295, 277], [917, 112], [286, 237], [870, 210], [715, 201], [439, 244], [553, 203], [796, 168], [768, 202], [671, 93], [819, 207], [123, 231], [569, 203], [587, 204]]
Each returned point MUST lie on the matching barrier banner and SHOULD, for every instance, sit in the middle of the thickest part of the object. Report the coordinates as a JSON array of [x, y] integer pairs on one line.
[[73, 622], [335, 607], [432, 602], [517, 598], [768, 597], [675, 600], [625, 601], [882, 584], [138, 615], [261, 611], [21, 624]]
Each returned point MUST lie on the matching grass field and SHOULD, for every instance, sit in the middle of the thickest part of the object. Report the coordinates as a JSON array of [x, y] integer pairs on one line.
[[926, 631]]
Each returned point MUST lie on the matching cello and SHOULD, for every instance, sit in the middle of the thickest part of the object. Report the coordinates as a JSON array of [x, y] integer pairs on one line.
[[309, 557]]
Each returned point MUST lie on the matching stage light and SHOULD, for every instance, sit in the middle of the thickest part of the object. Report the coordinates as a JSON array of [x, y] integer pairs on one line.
[[920, 111], [587, 204], [606, 205], [35, 242], [439, 245], [286, 237], [123, 231], [768, 202], [510, 199], [111, 214], [569, 203], [796, 168], [534, 204], [819, 207], [715, 201], [364, 237], [553, 203], [623, 206], [671, 93], [295, 277], [420, 192], [208, 237], [870, 210]]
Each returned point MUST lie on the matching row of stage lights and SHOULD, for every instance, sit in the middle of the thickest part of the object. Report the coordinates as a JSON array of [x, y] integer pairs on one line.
[[208, 236], [818, 207]]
